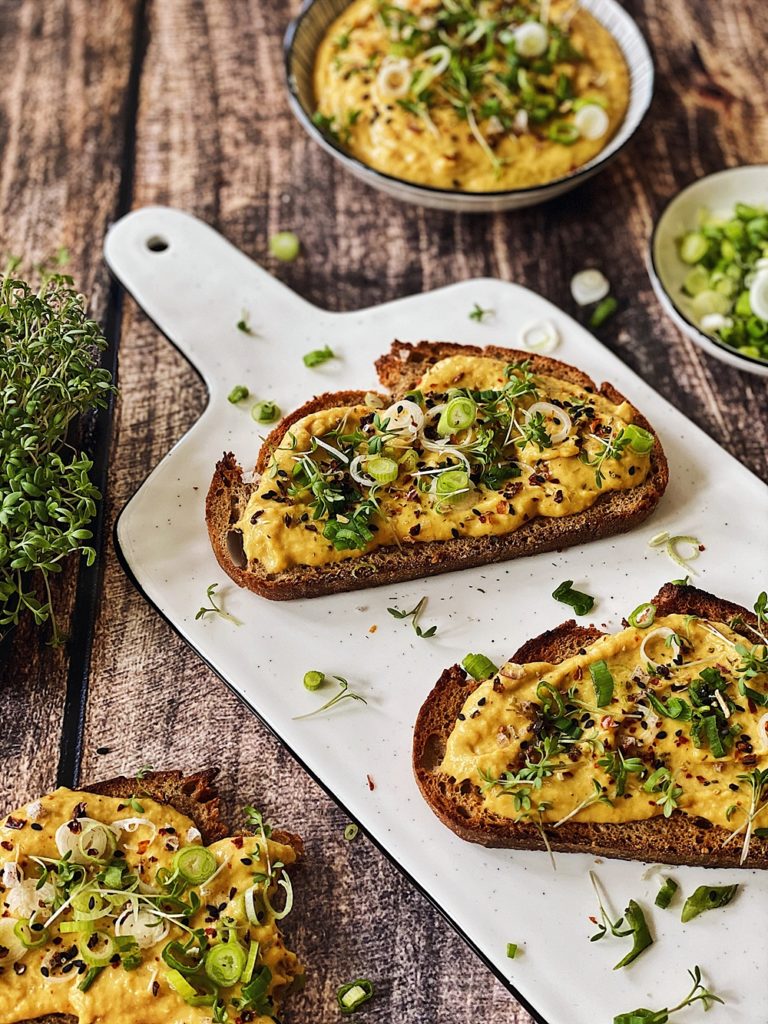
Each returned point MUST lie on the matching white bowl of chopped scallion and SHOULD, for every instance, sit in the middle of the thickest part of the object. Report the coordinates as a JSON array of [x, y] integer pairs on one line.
[[708, 264]]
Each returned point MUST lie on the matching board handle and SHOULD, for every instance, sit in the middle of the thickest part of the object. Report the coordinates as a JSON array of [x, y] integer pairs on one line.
[[193, 283]]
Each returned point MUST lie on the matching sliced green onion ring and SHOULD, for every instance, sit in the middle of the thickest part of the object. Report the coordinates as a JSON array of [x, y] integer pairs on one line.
[[541, 336], [640, 440], [202, 995], [98, 950], [459, 414], [382, 469], [313, 680], [224, 963], [643, 616], [479, 666], [195, 864], [97, 843], [31, 936], [285, 883], [352, 995], [182, 958], [250, 963]]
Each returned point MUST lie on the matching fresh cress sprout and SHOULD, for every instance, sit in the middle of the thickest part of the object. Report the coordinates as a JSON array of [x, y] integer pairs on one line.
[[285, 246], [698, 994], [344, 694], [215, 609], [49, 377], [479, 314], [244, 323], [581, 603], [414, 614]]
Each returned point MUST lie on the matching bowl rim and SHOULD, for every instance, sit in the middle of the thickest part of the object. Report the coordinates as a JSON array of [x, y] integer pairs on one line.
[[364, 169], [658, 282]]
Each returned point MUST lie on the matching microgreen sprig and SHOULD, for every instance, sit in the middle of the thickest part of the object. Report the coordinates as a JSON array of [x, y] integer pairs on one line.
[[215, 609], [414, 615], [344, 694], [49, 376], [479, 314], [698, 994]]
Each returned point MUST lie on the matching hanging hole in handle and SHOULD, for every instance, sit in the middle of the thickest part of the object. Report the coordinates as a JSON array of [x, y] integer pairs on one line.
[[157, 244]]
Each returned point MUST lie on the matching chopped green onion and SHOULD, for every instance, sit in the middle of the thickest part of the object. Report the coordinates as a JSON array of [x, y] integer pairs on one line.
[[693, 247], [641, 936], [707, 897], [98, 950], [581, 603], [250, 963], [350, 832], [285, 246], [564, 133], [195, 864], [265, 412], [639, 440], [479, 666], [511, 950], [603, 682], [452, 483], [666, 892], [238, 394], [643, 616], [84, 928], [313, 680], [352, 995], [181, 958], [88, 978], [318, 356], [225, 962], [383, 470], [603, 311], [202, 995], [459, 414], [30, 936]]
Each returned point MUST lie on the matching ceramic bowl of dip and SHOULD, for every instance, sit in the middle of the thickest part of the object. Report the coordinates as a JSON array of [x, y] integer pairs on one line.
[[718, 194], [305, 36]]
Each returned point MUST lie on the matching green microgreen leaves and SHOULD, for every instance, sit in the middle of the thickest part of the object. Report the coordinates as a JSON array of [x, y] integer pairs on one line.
[[414, 615], [215, 609], [698, 994], [478, 314], [49, 376], [632, 923]]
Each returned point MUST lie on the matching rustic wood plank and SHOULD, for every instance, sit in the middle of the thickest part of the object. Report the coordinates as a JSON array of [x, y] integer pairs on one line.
[[61, 136]]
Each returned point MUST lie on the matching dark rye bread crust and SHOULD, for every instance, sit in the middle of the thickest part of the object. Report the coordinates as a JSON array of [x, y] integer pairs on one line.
[[192, 795], [679, 839], [399, 371]]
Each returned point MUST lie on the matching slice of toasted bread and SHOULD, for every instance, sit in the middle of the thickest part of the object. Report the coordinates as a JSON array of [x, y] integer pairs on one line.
[[193, 795], [680, 839], [399, 371]]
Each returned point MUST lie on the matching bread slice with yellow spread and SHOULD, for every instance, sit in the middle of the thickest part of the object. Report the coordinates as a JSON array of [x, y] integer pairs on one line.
[[472, 456], [132, 901], [649, 744]]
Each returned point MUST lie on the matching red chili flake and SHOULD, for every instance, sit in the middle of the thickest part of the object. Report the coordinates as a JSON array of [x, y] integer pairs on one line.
[[155, 989], [579, 672], [593, 919], [607, 722], [14, 823], [371, 783], [142, 847], [237, 842], [74, 827], [79, 811]]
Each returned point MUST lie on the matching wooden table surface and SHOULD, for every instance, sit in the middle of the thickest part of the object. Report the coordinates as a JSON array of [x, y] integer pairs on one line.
[[112, 104]]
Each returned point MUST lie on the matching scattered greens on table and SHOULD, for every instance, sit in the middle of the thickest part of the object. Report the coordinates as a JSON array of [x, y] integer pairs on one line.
[[49, 376], [728, 279], [698, 994]]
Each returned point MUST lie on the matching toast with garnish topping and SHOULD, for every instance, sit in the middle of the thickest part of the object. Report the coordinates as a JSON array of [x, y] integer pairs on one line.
[[189, 798], [721, 785], [502, 480]]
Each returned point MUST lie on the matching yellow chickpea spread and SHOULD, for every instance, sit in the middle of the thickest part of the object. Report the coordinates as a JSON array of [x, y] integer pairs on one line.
[[477, 97], [657, 718], [480, 448], [113, 911]]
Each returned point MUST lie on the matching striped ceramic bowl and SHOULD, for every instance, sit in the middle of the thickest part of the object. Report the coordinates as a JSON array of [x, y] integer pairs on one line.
[[307, 30]]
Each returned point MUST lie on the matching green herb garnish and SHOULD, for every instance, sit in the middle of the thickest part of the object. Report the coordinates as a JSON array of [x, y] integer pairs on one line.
[[581, 603], [666, 892], [351, 996], [49, 376], [344, 694], [244, 323], [698, 994], [603, 311], [479, 666], [479, 314], [238, 394], [414, 615], [318, 356], [285, 246], [215, 609], [265, 412]]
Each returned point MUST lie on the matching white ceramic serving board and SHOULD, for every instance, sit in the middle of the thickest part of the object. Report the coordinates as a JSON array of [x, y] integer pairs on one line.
[[196, 290]]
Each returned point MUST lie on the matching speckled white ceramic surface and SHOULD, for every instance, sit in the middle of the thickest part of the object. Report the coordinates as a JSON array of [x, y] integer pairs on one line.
[[195, 290]]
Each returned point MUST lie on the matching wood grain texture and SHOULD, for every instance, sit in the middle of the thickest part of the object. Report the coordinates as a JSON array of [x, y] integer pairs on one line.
[[60, 128], [216, 137]]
